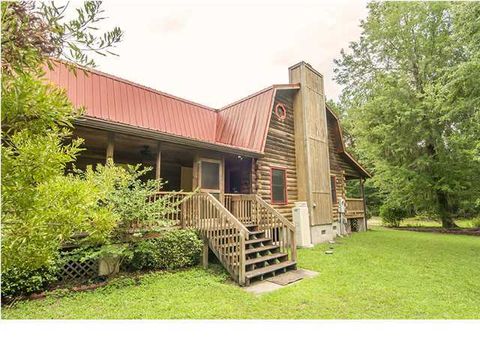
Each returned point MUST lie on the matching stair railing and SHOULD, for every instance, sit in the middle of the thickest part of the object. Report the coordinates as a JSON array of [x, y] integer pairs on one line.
[[252, 209], [276, 226], [242, 206], [225, 233]]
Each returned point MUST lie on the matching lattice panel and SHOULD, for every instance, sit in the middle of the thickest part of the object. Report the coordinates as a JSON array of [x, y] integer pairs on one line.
[[76, 270], [355, 226]]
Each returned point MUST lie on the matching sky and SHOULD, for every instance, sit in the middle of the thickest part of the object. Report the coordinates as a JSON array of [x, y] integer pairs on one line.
[[216, 54]]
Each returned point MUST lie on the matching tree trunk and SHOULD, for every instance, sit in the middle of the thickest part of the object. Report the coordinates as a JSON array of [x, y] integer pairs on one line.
[[444, 211]]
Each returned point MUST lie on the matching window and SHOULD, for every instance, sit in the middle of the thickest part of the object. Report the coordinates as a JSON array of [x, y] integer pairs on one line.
[[210, 175], [281, 111], [279, 186], [333, 183]]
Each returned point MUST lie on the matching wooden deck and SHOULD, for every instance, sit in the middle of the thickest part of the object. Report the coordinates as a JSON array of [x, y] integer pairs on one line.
[[355, 208]]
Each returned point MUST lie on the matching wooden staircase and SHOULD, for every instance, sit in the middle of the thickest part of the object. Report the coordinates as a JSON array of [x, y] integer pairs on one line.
[[263, 258], [249, 237]]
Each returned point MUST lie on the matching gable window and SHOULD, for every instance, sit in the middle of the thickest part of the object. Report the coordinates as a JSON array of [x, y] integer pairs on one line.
[[281, 111], [333, 183], [278, 185]]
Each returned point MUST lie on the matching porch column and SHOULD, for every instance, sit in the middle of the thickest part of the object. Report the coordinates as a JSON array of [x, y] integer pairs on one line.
[[158, 161], [362, 191], [110, 146]]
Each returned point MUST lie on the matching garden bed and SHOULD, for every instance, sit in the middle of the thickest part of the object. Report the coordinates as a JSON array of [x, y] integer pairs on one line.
[[458, 231]]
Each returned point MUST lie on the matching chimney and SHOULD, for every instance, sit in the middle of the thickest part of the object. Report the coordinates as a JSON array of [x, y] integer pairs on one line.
[[311, 147]]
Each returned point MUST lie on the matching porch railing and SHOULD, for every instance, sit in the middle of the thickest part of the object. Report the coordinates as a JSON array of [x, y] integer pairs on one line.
[[251, 209], [355, 208]]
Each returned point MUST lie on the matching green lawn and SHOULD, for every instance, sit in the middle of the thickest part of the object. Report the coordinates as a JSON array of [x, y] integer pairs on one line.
[[375, 275]]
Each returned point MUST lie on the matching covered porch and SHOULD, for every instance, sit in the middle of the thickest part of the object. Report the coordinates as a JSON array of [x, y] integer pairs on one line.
[[250, 238], [183, 168]]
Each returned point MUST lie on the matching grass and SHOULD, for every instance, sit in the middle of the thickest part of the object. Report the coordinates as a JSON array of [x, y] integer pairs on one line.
[[382, 274]]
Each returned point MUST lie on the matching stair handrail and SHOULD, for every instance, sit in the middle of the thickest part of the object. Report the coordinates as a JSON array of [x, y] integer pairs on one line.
[[280, 217], [284, 221], [243, 234], [227, 213]]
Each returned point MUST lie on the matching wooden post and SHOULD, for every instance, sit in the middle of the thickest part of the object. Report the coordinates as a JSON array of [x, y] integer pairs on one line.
[[221, 176], [362, 190], [293, 245], [241, 265], [110, 146], [205, 253], [158, 162], [196, 170]]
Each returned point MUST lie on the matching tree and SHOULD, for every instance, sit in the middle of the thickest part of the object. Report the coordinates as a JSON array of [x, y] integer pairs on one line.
[[33, 33], [410, 106], [41, 206]]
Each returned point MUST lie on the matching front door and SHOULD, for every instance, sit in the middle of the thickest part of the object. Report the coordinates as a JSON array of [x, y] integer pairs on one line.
[[210, 177]]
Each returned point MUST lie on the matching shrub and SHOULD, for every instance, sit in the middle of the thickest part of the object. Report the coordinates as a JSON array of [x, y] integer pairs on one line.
[[24, 282], [125, 194], [392, 214], [476, 222], [172, 250], [59, 208]]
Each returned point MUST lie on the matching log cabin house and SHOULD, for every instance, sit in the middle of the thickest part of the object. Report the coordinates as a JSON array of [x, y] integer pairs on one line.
[[253, 162]]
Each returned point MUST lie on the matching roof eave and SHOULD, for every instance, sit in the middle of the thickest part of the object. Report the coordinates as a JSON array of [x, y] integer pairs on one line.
[[108, 125]]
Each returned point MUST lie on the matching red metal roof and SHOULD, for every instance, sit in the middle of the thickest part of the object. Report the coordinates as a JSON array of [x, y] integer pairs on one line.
[[242, 125], [245, 122], [110, 98]]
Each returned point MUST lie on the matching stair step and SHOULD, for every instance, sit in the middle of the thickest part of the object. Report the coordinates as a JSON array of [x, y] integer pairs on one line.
[[261, 248], [269, 269], [256, 232], [265, 258], [254, 241]]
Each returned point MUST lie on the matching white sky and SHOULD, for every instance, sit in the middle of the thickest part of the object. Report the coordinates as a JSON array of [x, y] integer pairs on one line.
[[216, 54]]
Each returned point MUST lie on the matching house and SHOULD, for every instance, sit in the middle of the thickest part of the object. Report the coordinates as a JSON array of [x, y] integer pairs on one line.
[[254, 162]]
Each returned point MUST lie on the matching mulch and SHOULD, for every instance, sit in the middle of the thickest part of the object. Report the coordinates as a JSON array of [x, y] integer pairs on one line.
[[43, 294], [460, 231]]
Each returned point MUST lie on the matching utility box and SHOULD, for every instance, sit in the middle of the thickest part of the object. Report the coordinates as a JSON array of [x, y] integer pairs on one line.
[[302, 224]]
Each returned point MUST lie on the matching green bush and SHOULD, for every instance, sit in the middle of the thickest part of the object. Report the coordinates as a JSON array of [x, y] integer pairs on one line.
[[476, 222], [172, 250], [124, 193], [24, 282], [392, 214]]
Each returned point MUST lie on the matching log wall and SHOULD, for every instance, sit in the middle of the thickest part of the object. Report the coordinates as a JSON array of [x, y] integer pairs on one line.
[[280, 153]]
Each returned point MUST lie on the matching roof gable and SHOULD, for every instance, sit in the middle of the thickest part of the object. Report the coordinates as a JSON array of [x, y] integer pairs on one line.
[[340, 144]]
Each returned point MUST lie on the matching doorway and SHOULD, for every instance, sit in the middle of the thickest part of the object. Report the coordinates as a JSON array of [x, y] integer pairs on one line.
[[210, 176], [238, 175]]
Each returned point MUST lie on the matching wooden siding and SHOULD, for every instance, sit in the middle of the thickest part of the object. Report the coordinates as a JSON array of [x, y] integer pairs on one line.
[[338, 161], [339, 165], [279, 153], [313, 169]]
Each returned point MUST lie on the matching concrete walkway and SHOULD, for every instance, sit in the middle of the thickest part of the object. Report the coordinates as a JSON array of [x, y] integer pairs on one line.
[[279, 281]]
